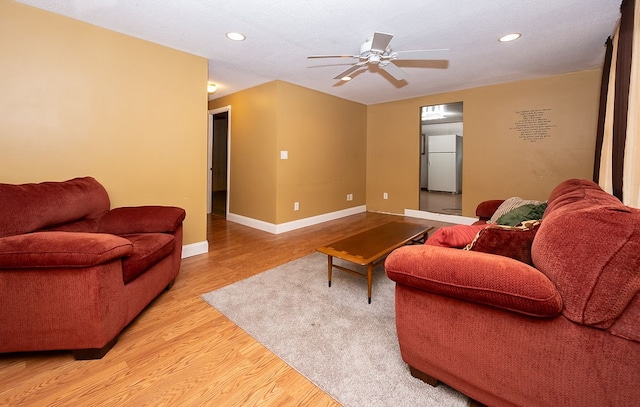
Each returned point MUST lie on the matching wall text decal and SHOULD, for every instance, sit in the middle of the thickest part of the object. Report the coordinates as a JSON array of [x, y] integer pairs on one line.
[[533, 125]]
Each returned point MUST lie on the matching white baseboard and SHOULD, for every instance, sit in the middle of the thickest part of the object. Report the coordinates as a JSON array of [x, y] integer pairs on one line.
[[296, 224], [252, 223], [460, 220], [193, 249]]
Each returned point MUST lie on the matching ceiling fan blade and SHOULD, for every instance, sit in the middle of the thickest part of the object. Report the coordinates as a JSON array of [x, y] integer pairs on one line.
[[427, 54], [394, 71], [349, 71], [332, 56], [380, 41]]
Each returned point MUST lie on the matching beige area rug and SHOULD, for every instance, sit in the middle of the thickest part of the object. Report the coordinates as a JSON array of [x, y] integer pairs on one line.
[[331, 335]]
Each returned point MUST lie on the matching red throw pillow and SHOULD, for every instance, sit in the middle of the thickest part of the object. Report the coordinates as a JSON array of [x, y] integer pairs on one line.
[[514, 242], [457, 236]]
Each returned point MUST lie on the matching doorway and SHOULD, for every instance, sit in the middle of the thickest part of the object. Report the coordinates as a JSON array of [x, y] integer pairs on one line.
[[441, 134], [218, 162]]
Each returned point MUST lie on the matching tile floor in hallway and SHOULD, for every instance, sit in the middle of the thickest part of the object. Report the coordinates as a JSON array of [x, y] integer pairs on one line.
[[441, 202]]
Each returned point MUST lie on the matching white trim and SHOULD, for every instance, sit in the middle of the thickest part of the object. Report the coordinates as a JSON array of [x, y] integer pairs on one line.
[[460, 220], [193, 249], [252, 223], [296, 224]]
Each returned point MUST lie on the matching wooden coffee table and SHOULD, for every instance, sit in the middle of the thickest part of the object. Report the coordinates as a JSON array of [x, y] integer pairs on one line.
[[370, 247]]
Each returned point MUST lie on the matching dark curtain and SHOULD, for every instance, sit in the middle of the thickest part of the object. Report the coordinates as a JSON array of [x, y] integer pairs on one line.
[[621, 99], [604, 89], [621, 103]]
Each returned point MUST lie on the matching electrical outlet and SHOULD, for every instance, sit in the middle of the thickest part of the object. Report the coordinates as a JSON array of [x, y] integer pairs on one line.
[[349, 197], [385, 195], [296, 206]]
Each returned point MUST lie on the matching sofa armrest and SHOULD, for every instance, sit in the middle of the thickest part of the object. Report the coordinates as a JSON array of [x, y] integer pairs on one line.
[[61, 249], [484, 278], [142, 219], [486, 209]]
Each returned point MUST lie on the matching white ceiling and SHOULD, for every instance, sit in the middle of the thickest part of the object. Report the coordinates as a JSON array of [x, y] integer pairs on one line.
[[558, 36]]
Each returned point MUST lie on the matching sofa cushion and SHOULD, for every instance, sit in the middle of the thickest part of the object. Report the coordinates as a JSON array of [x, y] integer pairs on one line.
[[478, 277], [142, 219], [589, 246], [457, 236], [29, 207], [61, 249], [148, 249], [509, 241]]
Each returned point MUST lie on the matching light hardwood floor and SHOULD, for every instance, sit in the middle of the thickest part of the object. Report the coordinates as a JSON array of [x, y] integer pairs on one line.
[[180, 351]]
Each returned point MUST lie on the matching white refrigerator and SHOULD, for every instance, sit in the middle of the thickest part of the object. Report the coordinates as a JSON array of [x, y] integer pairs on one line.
[[445, 163]]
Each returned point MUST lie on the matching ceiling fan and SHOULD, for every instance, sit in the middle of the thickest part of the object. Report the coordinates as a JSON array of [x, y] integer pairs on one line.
[[376, 51]]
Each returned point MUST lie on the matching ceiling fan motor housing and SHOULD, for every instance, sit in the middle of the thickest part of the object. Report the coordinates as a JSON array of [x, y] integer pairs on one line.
[[372, 56]]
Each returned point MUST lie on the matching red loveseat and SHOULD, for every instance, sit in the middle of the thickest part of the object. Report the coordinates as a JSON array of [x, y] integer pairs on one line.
[[74, 273], [563, 331]]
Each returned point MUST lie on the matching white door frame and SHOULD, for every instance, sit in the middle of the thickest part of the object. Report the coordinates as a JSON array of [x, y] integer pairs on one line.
[[210, 156]]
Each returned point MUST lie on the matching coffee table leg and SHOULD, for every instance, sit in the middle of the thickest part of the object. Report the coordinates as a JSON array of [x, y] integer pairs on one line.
[[369, 279], [329, 267]]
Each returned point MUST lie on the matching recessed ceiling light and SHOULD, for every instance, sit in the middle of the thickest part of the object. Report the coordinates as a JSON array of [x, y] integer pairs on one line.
[[235, 36], [345, 78], [509, 37]]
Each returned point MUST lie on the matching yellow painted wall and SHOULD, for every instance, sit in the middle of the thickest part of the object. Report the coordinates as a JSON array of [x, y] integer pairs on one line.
[[79, 100], [253, 147], [325, 138], [498, 162]]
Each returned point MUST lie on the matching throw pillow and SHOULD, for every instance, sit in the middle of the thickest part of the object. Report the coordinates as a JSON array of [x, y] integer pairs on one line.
[[457, 236], [513, 242], [510, 204], [522, 213]]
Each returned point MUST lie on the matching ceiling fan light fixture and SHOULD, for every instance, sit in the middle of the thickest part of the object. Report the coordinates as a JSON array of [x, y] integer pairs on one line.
[[234, 36], [510, 37], [346, 78]]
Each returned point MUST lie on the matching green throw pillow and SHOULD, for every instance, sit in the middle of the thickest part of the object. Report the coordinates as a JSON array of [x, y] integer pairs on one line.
[[522, 213]]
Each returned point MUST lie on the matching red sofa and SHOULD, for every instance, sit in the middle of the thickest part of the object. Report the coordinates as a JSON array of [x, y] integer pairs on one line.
[[563, 331], [74, 273]]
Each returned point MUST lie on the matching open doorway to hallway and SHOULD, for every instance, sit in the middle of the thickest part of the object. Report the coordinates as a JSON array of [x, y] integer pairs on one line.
[[218, 162], [441, 133]]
